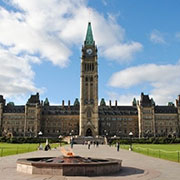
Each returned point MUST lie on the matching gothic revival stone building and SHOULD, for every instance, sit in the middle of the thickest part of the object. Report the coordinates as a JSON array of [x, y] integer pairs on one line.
[[86, 118]]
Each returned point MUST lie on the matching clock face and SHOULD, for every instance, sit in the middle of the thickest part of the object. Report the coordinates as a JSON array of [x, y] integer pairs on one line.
[[89, 51]]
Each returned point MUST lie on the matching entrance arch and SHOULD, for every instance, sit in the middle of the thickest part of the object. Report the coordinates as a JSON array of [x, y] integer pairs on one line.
[[88, 132]]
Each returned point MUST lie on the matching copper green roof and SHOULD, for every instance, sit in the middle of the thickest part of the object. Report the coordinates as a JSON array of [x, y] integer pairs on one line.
[[89, 36]]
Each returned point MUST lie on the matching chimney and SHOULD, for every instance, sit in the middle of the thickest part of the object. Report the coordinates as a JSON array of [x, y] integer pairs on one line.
[[63, 103], [69, 103], [116, 103], [110, 103]]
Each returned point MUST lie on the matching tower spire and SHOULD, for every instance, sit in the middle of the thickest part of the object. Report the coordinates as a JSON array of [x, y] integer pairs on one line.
[[89, 36]]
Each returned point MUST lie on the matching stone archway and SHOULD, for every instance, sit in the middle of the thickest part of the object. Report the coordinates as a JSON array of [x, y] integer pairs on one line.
[[88, 132]]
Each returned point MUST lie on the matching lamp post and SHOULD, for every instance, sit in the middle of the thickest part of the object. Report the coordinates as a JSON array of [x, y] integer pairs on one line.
[[130, 135], [71, 138], [40, 133], [40, 145], [30, 133], [105, 138], [60, 138], [105, 132], [120, 134]]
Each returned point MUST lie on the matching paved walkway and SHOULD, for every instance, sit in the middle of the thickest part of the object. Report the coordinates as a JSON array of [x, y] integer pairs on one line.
[[135, 166]]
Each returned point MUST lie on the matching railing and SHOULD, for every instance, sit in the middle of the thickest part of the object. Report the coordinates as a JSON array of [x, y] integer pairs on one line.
[[6, 151], [158, 153]]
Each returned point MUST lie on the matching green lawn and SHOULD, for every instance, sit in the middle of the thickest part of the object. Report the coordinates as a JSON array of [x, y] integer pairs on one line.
[[164, 151], [7, 149]]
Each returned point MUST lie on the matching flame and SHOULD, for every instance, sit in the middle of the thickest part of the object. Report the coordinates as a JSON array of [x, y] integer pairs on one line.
[[67, 153]]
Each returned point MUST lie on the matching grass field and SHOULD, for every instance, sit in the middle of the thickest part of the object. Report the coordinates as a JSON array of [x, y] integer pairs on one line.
[[164, 151], [7, 149]]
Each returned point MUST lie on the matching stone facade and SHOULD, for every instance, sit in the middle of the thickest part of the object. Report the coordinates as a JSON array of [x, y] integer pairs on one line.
[[89, 87], [154, 120], [144, 119], [87, 118]]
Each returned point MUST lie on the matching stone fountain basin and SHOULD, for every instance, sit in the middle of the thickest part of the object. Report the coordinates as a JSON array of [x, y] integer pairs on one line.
[[69, 166]]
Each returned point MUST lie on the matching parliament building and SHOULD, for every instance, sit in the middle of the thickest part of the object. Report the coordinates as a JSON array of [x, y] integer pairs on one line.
[[85, 117]]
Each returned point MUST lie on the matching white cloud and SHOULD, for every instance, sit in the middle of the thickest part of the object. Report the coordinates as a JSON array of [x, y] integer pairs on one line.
[[121, 52], [163, 79], [125, 99], [16, 75], [157, 37], [50, 28]]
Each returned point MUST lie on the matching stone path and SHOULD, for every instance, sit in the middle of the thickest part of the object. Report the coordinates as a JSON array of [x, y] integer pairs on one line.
[[135, 166]]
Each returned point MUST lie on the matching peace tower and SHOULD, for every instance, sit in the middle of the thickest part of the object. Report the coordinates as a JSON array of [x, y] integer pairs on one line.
[[89, 87]]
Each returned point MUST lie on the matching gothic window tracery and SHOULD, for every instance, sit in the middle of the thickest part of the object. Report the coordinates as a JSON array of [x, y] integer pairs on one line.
[[89, 113]]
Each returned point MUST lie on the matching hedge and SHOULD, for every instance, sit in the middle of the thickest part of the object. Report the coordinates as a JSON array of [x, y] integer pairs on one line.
[[154, 140], [30, 140]]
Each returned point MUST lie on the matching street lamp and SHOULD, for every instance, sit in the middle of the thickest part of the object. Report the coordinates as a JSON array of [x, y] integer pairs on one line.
[[105, 132], [40, 133], [30, 133], [71, 138], [120, 134], [130, 135], [40, 145], [60, 138]]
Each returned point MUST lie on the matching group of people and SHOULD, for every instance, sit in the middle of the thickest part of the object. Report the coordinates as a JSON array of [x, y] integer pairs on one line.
[[89, 143], [46, 147]]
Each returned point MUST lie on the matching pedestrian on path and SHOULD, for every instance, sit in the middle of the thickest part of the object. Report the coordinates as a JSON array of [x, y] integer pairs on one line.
[[72, 142], [89, 144], [118, 146]]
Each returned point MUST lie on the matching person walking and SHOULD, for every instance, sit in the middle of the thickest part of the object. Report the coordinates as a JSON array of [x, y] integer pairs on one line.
[[89, 144], [118, 146], [72, 142]]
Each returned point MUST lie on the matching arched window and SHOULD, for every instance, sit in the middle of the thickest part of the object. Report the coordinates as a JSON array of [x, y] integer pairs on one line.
[[85, 67], [92, 67], [89, 113], [88, 132]]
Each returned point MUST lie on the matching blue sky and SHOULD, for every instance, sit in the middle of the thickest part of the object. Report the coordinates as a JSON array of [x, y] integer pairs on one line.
[[138, 48]]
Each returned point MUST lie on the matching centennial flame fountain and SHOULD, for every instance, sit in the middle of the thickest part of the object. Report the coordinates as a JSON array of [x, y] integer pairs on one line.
[[68, 165]]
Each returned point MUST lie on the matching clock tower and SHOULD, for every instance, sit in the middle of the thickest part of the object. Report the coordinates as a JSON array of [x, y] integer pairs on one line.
[[89, 87]]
